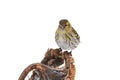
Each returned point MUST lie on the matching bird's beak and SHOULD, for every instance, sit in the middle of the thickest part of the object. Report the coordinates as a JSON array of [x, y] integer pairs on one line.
[[62, 26]]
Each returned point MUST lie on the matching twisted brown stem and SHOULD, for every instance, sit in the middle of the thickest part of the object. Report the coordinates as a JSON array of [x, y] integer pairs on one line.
[[49, 68]]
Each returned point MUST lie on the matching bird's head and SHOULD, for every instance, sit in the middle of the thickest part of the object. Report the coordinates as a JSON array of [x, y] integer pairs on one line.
[[64, 23]]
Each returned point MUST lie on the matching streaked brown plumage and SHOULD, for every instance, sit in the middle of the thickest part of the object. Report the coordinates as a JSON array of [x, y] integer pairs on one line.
[[66, 37]]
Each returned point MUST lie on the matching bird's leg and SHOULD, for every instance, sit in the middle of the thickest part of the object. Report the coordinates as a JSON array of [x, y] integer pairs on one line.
[[71, 51], [60, 49]]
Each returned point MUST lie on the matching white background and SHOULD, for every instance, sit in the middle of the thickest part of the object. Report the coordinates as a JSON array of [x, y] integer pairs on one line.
[[27, 29]]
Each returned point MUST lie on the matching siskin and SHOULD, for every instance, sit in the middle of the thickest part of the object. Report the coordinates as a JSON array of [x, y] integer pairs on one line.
[[66, 37]]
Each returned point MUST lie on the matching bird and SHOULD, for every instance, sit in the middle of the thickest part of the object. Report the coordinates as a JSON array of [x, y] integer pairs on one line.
[[66, 36]]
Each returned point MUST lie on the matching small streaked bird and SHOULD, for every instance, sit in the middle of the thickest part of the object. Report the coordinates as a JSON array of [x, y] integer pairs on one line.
[[66, 37]]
